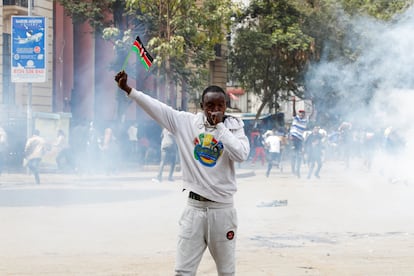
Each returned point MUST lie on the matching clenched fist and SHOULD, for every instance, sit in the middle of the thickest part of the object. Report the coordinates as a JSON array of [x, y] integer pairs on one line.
[[122, 79]]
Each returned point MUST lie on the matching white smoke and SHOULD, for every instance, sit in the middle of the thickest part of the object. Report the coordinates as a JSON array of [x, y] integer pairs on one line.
[[382, 71]]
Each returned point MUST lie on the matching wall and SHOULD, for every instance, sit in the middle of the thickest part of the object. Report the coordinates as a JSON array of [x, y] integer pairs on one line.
[[42, 93]]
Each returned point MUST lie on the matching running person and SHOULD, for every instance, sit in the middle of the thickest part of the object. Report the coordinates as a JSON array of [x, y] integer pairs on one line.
[[299, 125], [273, 146], [34, 151], [209, 143]]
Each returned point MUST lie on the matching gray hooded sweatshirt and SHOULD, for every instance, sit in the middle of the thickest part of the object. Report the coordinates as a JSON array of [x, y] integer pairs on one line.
[[207, 152]]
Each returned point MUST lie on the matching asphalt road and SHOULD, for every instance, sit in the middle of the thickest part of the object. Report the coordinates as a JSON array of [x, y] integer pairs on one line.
[[349, 222]]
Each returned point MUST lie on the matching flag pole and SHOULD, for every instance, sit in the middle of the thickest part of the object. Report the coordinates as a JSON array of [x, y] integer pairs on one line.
[[126, 60]]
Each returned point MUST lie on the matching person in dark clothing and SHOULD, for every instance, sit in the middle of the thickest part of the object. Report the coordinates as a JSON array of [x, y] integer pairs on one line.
[[258, 143], [314, 147]]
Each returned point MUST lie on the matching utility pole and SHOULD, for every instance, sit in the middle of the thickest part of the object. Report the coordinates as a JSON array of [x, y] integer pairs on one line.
[[29, 88]]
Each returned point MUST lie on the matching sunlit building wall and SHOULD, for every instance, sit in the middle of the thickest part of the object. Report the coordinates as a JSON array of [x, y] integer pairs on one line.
[[14, 97], [79, 80]]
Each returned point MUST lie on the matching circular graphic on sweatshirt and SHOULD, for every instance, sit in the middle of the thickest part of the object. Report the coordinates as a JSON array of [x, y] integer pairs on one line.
[[207, 149]]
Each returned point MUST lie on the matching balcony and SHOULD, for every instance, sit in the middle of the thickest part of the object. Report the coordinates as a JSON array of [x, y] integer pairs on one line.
[[20, 3], [15, 7]]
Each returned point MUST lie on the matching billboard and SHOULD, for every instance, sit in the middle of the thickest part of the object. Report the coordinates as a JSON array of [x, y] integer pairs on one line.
[[28, 56]]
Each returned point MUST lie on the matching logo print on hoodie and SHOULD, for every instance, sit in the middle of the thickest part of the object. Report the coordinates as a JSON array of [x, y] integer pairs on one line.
[[207, 149]]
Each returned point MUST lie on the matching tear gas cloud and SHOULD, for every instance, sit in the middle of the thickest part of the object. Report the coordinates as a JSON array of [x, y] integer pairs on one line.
[[382, 72]]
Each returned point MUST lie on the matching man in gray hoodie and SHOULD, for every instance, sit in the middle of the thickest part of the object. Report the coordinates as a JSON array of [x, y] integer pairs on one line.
[[209, 143]]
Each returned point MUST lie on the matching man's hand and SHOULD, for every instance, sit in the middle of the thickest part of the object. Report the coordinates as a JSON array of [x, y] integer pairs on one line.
[[122, 79], [216, 117]]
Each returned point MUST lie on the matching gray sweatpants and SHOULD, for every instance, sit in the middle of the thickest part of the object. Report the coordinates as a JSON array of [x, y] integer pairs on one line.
[[207, 224]]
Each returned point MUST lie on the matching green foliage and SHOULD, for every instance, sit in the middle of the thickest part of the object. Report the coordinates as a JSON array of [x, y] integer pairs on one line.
[[181, 35], [270, 51], [94, 12], [273, 42], [380, 9], [276, 42]]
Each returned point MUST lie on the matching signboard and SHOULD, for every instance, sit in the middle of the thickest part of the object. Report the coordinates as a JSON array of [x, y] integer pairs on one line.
[[28, 56]]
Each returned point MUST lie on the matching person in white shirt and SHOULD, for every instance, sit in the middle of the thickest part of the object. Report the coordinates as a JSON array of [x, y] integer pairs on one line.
[[168, 155], [299, 125], [63, 152], [3, 148], [273, 145], [34, 151], [209, 144]]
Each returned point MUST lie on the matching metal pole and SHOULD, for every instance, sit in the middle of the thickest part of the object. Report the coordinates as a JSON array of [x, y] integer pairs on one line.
[[29, 93], [29, 87], [29, 7]]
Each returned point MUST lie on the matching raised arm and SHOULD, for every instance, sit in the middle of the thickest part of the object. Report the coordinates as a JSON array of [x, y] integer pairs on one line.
[[165, 115], [122, 79]]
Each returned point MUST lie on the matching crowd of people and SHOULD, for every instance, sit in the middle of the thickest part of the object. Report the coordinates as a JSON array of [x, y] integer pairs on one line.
[[310, 147], [302, 145], [85, 149]]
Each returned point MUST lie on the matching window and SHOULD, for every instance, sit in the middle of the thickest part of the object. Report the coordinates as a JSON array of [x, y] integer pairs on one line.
[[21, 3], [217, 50]]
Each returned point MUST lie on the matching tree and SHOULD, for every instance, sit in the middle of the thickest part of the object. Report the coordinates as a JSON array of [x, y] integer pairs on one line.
[[384, 10], [270, 52], [181, 34], [278, 43], [98, 13]]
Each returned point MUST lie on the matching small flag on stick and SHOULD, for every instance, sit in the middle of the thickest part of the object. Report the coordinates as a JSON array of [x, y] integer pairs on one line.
[[145, 58]]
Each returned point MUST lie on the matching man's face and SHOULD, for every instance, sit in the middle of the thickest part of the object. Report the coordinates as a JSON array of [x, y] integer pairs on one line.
[[214, 106], [302, 115]]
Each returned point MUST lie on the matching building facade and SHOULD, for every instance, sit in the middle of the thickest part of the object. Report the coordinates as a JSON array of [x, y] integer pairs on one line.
[[79, 86], [15, 97]]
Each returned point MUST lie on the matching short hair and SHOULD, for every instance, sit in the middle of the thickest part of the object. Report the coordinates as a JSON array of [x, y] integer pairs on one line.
[[214, 89]]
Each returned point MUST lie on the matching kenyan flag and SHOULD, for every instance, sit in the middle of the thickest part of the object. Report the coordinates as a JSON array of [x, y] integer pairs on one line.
[[144, 56]]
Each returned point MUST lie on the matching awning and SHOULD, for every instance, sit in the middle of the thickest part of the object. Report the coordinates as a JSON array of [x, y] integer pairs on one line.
[[235, 90], [232, 96]]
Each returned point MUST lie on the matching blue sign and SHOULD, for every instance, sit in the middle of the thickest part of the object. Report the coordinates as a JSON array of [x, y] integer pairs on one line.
[[28, 56]]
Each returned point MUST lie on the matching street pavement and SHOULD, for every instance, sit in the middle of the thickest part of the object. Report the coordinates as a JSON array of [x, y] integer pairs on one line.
[[349, 222]]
